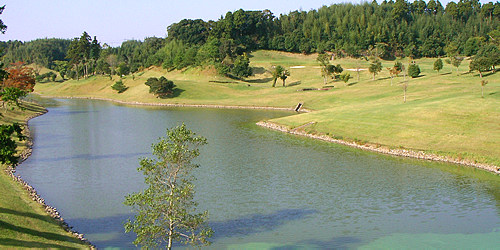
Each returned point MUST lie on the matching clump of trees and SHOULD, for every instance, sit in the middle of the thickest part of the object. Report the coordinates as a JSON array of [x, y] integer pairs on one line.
[[328, 70], [166, 210], [46, 76], [386, 29], [162, 87]]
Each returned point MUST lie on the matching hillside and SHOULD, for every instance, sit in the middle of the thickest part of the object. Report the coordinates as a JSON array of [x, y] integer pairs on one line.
[[444, 113]]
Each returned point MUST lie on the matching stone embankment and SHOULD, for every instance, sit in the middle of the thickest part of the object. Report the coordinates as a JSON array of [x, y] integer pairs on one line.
[[52, 211], [381, 149]]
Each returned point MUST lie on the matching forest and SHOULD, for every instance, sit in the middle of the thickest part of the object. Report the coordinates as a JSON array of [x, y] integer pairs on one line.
[[386, 30]]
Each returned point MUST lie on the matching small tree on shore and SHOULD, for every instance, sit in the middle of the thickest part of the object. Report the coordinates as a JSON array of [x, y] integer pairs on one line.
[[119, 86], [161, 87], [166, 210]]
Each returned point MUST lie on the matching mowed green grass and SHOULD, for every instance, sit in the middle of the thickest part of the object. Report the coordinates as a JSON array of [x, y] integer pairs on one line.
[[23, 222], [444, 112]]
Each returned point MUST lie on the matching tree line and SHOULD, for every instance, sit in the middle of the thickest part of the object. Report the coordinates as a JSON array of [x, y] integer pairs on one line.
[[386, 30]]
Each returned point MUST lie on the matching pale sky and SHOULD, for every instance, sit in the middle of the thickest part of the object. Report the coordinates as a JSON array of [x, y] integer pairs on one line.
[[115, 21]]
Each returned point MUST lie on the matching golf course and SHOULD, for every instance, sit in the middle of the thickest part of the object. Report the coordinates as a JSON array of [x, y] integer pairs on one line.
[[444, 113]]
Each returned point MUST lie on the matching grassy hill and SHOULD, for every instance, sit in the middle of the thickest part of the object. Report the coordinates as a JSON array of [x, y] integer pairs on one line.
[[23, 222], [444, 113]]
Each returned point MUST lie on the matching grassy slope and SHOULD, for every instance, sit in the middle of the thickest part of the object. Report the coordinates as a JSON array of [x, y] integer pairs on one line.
[[444, 113], [23, 222]]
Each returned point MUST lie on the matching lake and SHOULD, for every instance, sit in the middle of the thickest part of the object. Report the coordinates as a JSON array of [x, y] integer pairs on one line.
[[263, 189]]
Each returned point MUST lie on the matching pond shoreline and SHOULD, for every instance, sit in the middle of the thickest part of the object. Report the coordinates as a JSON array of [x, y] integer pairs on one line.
[[51, 211], [302, 110], [370, 147], [381, 149]]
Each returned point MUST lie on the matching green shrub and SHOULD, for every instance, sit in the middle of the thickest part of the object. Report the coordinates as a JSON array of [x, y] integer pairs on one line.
[[119, 86], [413, 70], [160, 86]]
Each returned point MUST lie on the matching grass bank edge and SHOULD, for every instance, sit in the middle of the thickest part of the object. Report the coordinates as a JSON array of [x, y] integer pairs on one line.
[[25, 222]]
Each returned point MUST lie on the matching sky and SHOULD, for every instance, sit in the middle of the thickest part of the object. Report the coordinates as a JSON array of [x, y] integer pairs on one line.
[[115, 21]]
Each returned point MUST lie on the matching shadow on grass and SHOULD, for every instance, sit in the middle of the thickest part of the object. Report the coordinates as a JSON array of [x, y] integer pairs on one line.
[[49, 236], [352, 83], [176, 92], [294, 83], [45, 218], [381, 79], [419, 76], [263, 80], [6, 242], [258, 70]]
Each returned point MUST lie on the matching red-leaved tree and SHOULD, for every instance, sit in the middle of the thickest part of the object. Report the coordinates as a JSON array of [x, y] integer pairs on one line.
[[19, 76]]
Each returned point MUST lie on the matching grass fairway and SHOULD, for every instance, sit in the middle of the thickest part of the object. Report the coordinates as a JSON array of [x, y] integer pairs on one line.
[[444, 113], [23, 222]]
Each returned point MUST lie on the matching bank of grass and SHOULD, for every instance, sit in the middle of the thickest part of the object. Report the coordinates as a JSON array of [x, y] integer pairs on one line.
[[23, 222], [444, 112]]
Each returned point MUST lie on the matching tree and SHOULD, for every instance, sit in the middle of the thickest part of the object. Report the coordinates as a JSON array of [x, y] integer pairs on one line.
[[8, 145], [483, 83], [166, 210], [123, 69], [324, 60], [413, 70], [119, 86], [456, 61], [3, 27], [345, 77], [405, 87], [491, 52], [277, 72], [375, 67], [438, 65], [284, 75], [19, 76], [12, 95], [394, 71], [160, 86], [242, 66], [480, 64]]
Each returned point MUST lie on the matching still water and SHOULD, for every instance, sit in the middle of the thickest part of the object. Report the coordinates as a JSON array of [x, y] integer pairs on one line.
[[263, 189]]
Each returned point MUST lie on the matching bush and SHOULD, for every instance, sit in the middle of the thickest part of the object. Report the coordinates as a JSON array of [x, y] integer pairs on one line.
[[160, 86], [413, 70], [119, 86]]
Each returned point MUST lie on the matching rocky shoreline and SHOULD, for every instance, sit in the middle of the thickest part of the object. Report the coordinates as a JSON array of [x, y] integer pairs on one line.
[[52, 211], [384, 150]]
